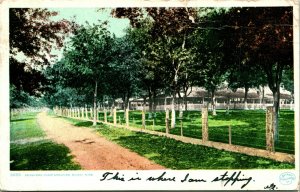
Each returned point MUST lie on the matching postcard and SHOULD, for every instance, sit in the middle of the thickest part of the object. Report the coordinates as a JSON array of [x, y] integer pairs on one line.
[[149, 95]]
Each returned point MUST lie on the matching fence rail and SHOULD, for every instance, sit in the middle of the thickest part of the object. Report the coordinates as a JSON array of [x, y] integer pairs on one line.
[[192, 130]]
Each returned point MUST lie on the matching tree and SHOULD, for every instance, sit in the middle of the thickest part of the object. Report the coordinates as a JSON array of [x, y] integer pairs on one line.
[[243, 74], [267, 33], [32, 36], [126, 66], [170, 27], [88, 57], [61, 89], [288, 80], [210, 38]]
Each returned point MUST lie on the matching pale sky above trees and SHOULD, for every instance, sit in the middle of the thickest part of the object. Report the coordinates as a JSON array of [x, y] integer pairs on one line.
[[92, 15]]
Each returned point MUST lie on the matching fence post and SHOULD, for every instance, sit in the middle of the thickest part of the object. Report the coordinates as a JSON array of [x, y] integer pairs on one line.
[[105, 116], [167, 121], [205, 124], [127, 116], [270, 129], [143, 117], [115, 116]]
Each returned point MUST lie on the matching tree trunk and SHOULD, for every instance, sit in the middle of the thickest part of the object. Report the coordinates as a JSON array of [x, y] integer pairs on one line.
[[213, 104], [185, 100], [125, 104], [154, 102], [112, 107], [165, 102], [173, 114], [246, 98], [263, 97], [95, 104], [276, 98], [228, 105], [150, 103], [124, 101]]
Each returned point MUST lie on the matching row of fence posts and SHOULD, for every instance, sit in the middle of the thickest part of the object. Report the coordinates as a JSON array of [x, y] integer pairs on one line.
[[82, 113]]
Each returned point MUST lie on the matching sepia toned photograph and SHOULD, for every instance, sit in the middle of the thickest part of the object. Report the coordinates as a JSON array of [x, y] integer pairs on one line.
[[154, 88]]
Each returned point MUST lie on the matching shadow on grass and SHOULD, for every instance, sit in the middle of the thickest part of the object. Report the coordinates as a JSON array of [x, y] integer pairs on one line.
[[180, 156], [84, 124], [43, 155], [24, 119]]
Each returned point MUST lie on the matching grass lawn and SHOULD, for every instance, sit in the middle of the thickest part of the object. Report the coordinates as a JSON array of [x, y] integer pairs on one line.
[[30, 150], [178, 155], [247, 126]]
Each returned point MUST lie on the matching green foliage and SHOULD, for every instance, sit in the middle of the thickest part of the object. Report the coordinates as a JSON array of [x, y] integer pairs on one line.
[[210, 48], [288, 80], [177, 155], [265, 35], [89, 51], [33, 35], [19, 98]]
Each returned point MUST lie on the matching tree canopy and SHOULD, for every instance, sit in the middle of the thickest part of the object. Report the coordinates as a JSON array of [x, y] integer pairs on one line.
[[32, 38], [165, 50]]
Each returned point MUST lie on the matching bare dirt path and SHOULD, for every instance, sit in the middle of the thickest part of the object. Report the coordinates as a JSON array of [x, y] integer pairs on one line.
[[90, 150]]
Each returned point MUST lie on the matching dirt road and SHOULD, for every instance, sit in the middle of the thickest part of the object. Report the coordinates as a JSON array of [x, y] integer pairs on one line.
[[90, 150]]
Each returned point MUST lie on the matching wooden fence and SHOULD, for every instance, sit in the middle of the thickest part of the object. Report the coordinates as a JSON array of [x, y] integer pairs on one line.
[[268, 152]]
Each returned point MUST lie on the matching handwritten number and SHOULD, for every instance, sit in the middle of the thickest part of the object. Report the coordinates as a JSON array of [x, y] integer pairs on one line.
[[271, 187]]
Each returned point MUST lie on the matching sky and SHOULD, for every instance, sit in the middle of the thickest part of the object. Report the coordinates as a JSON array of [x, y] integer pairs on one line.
[[91, 15]]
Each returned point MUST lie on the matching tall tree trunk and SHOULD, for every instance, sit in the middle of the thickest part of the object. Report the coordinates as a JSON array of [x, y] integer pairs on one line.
[[246, 98], [154, 101], [213, 103], [124, 101], [263, 97], [228, 105], [95, 104], [112, 107], [173, 114], [185, 100], [165, 102], [150, 103], [276, 105], [274, 81]]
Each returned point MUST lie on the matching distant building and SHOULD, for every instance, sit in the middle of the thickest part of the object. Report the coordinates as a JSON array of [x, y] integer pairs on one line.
[[224, 98]]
